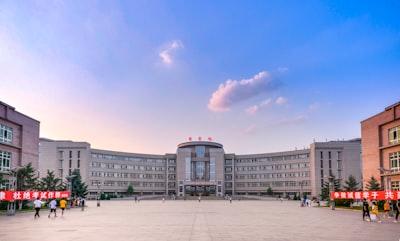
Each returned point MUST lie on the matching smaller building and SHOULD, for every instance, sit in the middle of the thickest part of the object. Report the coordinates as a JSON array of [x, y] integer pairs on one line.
[[381, 147]]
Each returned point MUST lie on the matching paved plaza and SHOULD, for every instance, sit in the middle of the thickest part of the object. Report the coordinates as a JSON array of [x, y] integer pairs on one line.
[[154, 220]]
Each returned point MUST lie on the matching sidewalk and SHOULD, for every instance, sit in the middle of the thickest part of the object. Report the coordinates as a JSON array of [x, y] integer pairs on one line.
[[192, 220]]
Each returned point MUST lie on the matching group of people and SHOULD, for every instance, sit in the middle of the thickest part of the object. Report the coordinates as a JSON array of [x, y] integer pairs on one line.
[[374, 215], [53, 206]]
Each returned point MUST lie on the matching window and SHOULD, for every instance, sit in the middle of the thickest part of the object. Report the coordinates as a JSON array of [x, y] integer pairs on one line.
[[70, 154], [394, 159], [187, 168], [5, 134], [212, 169], [200, 151], [5, 161], [396, 186], [79, 154], [79, 164], [394, 135]]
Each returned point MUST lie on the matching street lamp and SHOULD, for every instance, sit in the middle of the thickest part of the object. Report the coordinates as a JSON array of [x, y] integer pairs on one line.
[[386, 173], [69, 188], [98, 193], [13, 186], [331, 189]]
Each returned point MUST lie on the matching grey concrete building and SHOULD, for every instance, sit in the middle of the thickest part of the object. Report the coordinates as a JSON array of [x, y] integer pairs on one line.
[[203, 167]]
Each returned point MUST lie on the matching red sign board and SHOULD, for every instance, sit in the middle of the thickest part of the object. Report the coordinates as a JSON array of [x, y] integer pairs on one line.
[[371, 195], [30, 195]]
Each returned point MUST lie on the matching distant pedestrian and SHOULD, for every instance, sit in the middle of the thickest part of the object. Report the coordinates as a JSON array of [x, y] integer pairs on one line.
[[63, 204], [135, 199], [37, 204], [199, 198], [386, 208], [366, 210], [83, 203], [53, 207], [397, 208], [230, 199], [375, 212]]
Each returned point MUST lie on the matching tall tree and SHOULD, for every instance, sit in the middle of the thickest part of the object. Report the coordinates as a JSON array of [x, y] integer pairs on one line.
[[26, 178], [50, 182], [3, 182], [78, 188], [373, 184], [351, 184], [130, 190], [326, 188]]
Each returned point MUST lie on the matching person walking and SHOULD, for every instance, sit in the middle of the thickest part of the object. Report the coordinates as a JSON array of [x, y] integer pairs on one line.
[[63, 204], [83, 202], [53, 207], [397, 208], [366, 210], [37, 204], [386, 208], [375, 211]]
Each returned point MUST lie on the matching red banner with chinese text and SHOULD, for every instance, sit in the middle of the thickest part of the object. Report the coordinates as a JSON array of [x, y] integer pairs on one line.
[[371, 195], [30, 195]]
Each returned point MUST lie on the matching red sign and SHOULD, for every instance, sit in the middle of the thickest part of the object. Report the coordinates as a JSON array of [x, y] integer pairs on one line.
[[371, 195], [30, 195]]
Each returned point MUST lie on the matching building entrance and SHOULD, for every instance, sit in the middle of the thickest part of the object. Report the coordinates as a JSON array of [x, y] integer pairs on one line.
[[203, 190]]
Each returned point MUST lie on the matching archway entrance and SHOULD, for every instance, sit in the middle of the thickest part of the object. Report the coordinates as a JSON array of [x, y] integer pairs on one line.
[[203, 190]]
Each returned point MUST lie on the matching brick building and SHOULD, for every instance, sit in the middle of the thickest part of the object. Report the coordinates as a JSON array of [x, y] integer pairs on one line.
[[19, 140], [380, 136]]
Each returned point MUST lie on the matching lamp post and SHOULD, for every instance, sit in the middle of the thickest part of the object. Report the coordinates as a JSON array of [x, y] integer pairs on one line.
[[69, 188], [331, 189], [98, 194], [386, 173], [13, 186]]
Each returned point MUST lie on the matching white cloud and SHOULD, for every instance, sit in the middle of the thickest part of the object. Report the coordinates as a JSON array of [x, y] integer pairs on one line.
[[234, 91], [283, 69], [314, 106], [249, 130], [167, 53], [281, 101], [252, 110]]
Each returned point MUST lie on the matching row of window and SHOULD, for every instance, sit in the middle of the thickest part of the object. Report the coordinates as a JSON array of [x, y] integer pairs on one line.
[[125, 158], [272, 184], [125, 184], [271, 167], [61, 153], [5, 161], [338, 155], [274, 158], [126, 167], [5, 134], [126, 175], [271, 175]]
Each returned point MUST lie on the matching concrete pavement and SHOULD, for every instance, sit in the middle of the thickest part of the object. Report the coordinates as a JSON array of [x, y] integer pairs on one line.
[[197, 221]]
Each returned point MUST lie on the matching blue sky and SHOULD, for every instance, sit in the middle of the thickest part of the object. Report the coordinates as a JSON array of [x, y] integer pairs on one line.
[[255, 76]]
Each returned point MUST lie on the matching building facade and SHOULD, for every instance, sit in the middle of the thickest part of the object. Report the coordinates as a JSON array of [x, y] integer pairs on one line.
[[381, 147], [203, 168], [19, 140]]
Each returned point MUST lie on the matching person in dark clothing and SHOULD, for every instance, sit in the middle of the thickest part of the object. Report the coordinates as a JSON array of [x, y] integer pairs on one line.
[[366, 210]]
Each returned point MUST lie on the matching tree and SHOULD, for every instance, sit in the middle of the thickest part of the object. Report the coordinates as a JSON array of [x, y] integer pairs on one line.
[[50, 182], [130, 190], [351, 184], [326, 188], [79, 188], [3, 182], [373, 184], [26, 178], [270, 191]]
